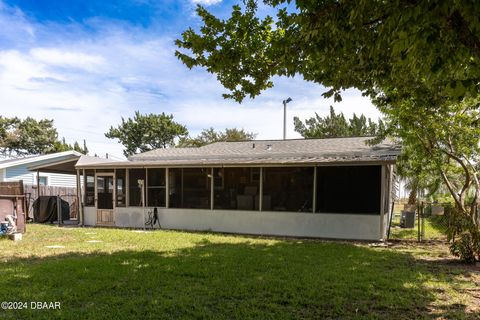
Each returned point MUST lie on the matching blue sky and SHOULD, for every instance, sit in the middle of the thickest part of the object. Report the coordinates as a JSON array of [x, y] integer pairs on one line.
[[86, 64]]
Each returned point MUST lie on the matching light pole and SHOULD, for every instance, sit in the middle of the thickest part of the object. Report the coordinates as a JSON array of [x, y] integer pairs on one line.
[[285, 117]]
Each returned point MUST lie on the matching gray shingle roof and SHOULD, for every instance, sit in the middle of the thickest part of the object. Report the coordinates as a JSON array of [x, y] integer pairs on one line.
[[353, 149]]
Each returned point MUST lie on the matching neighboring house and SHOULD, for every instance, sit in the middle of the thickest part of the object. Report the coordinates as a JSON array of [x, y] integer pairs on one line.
[[327, 188], [18, 169]]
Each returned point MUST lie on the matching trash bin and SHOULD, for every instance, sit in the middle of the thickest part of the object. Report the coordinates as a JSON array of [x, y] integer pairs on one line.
[[407, 219]]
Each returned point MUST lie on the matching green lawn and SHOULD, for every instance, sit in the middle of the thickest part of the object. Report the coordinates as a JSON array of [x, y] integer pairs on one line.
[[434, 229], [167, 274]]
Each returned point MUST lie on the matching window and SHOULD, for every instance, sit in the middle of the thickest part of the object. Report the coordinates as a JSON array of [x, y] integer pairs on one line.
[[156, 190], [189, 188], [349, 189], [135, 177], [236, 188], [43, 180], [121, 183], [89, 188], [288, 189]]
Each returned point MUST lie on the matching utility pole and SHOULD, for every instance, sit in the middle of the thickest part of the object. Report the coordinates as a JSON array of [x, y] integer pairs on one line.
[[285, 117]]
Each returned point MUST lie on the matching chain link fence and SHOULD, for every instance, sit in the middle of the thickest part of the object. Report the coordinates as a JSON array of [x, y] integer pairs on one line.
[[424, 221]]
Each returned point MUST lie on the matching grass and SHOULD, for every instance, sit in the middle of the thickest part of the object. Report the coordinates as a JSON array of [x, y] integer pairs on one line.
[[435, 229], [168, 274]]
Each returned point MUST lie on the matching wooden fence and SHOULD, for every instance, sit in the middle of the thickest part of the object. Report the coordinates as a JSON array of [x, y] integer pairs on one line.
[[48, 191], [66, 193]]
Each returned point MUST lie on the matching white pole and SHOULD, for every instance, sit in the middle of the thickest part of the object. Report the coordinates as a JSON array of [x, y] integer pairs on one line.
[[284, 119]]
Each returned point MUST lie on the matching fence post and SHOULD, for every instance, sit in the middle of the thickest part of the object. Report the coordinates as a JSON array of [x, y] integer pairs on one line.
[[423, 221], [59, 210], [418, 223]]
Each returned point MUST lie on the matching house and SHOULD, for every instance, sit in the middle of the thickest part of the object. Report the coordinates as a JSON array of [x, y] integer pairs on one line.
[[327, 188], [19, 169]]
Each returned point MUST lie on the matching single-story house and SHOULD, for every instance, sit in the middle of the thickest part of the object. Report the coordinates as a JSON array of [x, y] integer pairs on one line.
[[16, 169], [327, 188]]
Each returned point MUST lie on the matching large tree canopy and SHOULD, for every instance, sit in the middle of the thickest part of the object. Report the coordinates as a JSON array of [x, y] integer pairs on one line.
[[147, 132], [341, 44]]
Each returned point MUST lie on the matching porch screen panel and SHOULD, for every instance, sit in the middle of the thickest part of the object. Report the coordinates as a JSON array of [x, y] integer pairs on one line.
[[288, 189], [349, 189], [134, 191], [89, 188], [121, 184], [236, 188], [189, 188], [156, 187]]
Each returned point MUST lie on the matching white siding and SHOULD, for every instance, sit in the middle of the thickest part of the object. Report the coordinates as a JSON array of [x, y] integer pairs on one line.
[[53, 179], [20, 173], [61, 180]]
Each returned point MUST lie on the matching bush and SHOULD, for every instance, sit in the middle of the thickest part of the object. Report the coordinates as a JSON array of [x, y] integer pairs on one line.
[[464, 235]]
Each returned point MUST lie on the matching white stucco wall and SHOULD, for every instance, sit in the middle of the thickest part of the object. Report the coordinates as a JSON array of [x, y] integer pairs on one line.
[[319, 225], [89, 216]]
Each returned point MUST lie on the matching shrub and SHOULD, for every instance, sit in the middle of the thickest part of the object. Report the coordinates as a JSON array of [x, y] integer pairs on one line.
[[464, 235]]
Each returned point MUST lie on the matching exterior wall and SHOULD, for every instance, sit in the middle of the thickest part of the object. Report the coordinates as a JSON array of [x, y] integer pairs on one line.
[[299, 224], [89, 216], [319, 225], [29, 177]]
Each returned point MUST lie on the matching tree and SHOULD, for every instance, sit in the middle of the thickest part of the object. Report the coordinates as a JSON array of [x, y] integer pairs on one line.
[[208, 136], [147, 132], [342, 44], [28, 136], [419, 62], [443, 138], [60, 146], [85, 149], [335, 125]]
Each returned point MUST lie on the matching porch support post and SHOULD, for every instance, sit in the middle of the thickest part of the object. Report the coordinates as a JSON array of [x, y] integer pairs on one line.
[[82, 200], [127, 187], [59, 211], [167, 188], [79, 198], [38, 183], [382, 203], [212, 186], [145, 187], [314, 200], [260, 196]]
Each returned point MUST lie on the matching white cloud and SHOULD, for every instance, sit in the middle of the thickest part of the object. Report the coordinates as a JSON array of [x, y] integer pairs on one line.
[[206, 2], [69, 59], [86, 83]]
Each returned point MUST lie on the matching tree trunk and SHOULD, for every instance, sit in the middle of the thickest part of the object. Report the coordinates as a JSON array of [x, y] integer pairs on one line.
[[412, 197]]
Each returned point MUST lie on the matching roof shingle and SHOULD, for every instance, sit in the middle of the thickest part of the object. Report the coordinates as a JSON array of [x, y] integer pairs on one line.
[[352, 149]]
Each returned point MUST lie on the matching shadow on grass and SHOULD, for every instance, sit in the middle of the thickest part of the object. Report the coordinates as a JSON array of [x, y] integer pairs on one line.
[[289, 279]]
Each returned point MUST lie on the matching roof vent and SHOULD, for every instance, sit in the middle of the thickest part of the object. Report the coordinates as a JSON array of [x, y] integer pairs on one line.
[[269, 147], [253, 145]]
